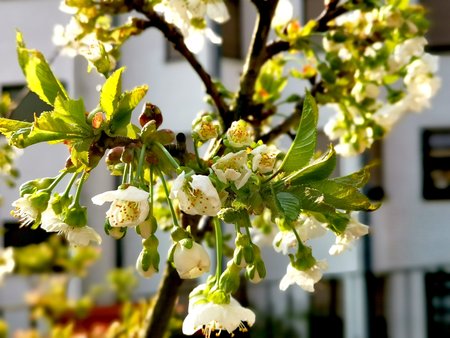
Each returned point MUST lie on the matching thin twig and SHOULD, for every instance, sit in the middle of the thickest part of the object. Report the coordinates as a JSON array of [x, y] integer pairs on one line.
[[173, 34]]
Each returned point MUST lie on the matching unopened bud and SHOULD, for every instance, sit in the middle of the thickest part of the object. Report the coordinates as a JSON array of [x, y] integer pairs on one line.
[[113, 156], [76, 216], [150, 112]]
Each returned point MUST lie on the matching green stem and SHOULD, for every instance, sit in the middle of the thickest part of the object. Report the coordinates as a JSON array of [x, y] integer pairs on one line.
[[56, 181], [125, 173], [219, 247], [166, 190], [151, 190], [140, 164], [76, 201], [169, 157], [197, 156], [69, 186]]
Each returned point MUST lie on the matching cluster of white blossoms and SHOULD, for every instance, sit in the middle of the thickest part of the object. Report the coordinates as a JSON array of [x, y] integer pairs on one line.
[[388, 83], [190, 18], [304, 229]]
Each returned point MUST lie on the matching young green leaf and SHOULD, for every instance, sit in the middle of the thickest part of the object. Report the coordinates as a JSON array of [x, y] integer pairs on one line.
[[304, 145], [8, 126], [38, 74], [126, 104], [290, 205], [110, 93]]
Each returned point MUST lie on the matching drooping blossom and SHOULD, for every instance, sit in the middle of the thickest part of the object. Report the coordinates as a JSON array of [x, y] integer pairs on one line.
[[129, 206], [196, 195], [233, 168], [305, 279], [307, 227], [354, 230], [82, 236], [24, 210], [209, 317], [191, 262], [76, 236]]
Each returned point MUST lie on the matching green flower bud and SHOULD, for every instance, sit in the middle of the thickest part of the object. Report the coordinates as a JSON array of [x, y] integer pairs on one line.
[[114, 232], [39, 200], [229, 280], [178, 234], [59, 203], [151, 243], [219, 296], [76, 216], [148, 227]]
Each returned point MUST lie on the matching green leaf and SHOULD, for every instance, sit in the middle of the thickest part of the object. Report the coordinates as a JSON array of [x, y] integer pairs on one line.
[[358, 179], [302, 149], [290, 205], [38, 74], [54, 127], [72, 112], [126, 104], [312, 201], [8, 126], [342, 196], [79, 153], [110, 93], [320, 169]]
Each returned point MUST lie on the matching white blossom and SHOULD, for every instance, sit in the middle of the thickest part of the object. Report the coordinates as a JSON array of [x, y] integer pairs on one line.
[[264, 158], [209, 317], [181, 13], [283, 13], [353, 231], [405, 51], [191, 263], [307, 227], [233, 168], [196, 195], [24, 210], [129, 206], [82, 236], [305, 279], [240, 134]]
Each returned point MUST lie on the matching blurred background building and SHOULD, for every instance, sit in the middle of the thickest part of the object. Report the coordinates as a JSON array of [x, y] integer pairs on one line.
[[395, 283]]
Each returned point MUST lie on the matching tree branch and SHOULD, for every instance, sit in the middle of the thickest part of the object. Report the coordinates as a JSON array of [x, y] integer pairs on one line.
[[254, 61], [173, 34], [159, 316]]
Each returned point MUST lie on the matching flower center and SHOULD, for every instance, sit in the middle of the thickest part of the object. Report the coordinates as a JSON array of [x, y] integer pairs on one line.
[[124, 212]]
